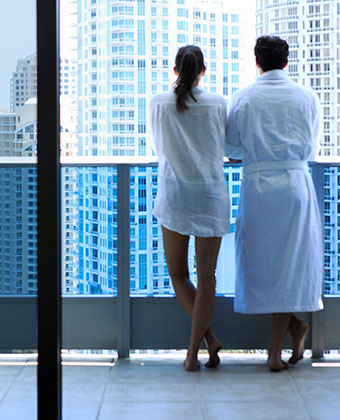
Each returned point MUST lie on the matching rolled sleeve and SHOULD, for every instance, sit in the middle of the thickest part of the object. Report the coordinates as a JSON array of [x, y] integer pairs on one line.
[[232, 147]]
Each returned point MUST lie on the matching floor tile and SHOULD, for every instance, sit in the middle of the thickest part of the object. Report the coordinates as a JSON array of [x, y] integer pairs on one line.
[[160, 391], [260, 411], [82, 374], [83, 391], [151, 411], [322, 400], [80, 409]]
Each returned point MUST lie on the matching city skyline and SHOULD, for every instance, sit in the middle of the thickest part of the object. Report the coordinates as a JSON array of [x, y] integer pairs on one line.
[[122, 58]]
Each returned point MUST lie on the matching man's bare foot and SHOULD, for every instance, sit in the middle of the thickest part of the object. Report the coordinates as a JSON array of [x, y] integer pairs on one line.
[[213, 350], [298, 331], [276, 364], [192, 365]]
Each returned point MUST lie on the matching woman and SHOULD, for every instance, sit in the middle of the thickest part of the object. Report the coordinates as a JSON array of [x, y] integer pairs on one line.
[[279, 253], [188, 127]]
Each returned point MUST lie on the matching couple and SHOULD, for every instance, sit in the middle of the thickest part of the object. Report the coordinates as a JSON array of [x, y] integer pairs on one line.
[[273, 126]]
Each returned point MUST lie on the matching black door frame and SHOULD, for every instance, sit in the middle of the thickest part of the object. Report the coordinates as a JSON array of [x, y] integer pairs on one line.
[[49, 226]]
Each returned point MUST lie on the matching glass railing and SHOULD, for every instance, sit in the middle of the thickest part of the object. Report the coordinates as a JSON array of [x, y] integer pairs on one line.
[[18, 230], [148, 271], [89, 229]]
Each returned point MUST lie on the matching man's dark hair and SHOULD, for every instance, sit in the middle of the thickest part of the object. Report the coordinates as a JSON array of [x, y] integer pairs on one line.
[[271, 52]]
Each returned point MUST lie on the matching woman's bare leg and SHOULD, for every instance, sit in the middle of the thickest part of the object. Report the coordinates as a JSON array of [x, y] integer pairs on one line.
[[176, 252], [206, 259], [280, 327], [298, 331]]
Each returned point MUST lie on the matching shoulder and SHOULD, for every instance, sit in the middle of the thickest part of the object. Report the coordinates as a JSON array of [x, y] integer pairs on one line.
[[163, 98], [242, 94], [210, 98], [309, 93], [305, 93]]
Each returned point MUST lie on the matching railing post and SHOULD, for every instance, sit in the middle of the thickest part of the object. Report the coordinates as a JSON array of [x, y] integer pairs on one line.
[[317, 330], [123, 259]]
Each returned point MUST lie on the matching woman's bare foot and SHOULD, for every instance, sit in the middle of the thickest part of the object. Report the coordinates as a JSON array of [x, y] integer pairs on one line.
[[298, 330], [269, 352], [213, 350], [191, 365], [276, 364]]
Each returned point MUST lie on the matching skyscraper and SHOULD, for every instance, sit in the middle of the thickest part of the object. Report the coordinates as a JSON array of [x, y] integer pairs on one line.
[[18, 206], [23, 84], [311, 30], [7, 133], [126, 53]]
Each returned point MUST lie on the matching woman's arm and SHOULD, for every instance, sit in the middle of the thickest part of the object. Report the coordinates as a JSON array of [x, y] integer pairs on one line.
[[233, 148]]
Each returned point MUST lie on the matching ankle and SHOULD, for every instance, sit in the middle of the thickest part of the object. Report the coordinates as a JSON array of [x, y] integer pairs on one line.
[[192, 355]]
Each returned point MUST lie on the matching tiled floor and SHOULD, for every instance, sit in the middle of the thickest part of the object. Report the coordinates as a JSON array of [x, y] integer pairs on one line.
[[157, 388]]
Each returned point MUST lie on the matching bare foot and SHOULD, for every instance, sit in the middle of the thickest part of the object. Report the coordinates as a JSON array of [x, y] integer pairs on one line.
[[213, 350], [298, 331], [276, 365], [269, 351], [191, 365]]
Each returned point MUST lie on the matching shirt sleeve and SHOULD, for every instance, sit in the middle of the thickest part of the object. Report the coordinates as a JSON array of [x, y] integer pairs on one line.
[[316, 129], [153, 124], [233, 148]]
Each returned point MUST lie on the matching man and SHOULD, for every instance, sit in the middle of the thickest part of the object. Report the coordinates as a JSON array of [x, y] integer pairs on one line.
[[279, 255]]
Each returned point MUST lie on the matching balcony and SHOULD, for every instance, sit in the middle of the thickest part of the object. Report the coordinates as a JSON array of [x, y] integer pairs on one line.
[[124, 319]]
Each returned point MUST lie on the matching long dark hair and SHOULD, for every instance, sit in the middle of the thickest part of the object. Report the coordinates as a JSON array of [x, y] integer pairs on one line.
[[189, 64]]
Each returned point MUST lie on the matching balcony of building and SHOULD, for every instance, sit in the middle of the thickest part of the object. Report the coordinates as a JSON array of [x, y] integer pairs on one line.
[[126, 320]]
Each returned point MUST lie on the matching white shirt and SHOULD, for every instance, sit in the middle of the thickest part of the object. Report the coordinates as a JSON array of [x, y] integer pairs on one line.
[[279, 250], [192, 197]]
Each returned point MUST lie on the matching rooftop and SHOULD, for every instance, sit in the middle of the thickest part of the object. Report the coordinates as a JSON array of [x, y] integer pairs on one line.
[[147, 387]]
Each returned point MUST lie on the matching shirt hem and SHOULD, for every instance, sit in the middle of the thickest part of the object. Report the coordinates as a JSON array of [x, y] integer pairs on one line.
[[191, 233], [277, 309]]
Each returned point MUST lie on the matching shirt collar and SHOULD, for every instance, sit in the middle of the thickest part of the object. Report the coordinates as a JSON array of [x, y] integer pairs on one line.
[[196, 89], [273, 74]]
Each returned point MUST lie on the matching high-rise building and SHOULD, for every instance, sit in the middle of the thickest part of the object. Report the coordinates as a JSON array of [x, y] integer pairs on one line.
[[26, 129], [18, 205], [7, 133], [312, 32], [23, 84], [18, 234], [126, 53]]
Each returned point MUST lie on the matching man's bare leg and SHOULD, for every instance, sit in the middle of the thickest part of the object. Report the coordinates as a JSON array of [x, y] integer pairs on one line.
[[176, 252], [280, 327], [298, 331], [206, 259]]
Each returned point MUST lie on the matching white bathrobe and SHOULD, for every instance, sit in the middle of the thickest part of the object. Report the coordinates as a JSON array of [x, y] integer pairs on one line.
[[275, 125]]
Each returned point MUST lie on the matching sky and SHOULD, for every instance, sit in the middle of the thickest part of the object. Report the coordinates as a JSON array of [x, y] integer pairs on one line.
[[18, 40]]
